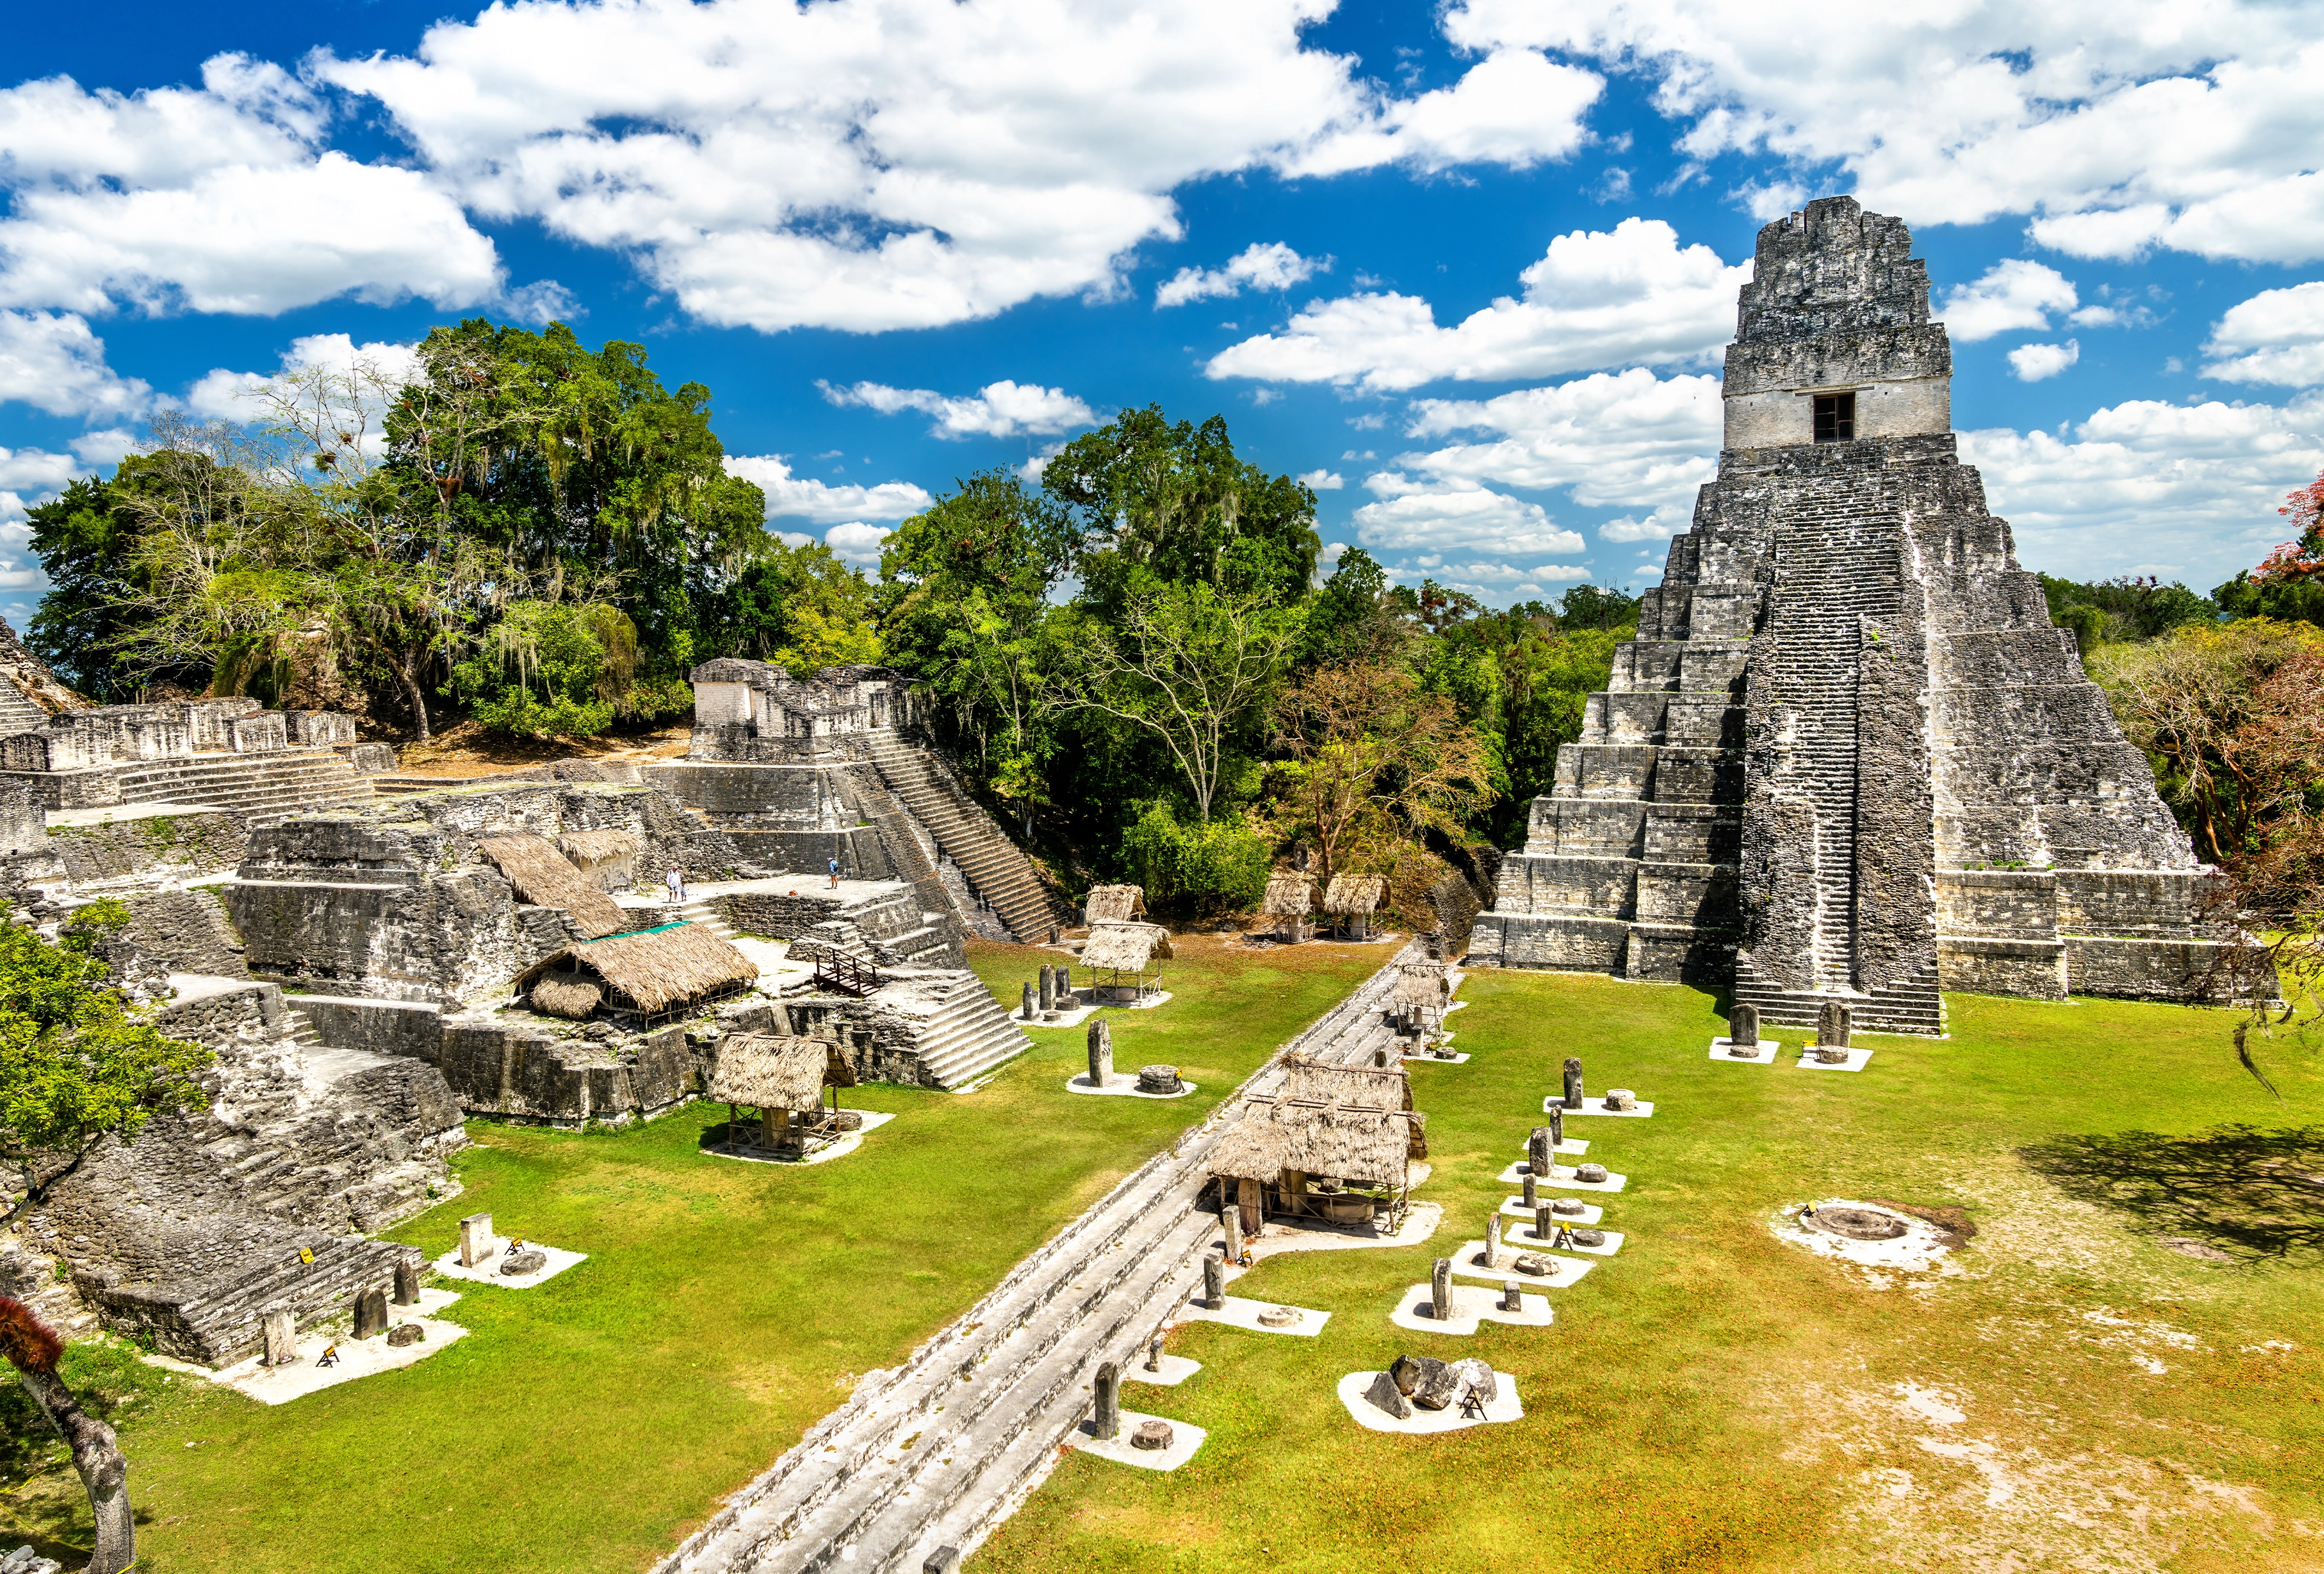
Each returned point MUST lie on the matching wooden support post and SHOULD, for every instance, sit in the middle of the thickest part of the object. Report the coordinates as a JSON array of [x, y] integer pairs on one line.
[[1253, 1208]]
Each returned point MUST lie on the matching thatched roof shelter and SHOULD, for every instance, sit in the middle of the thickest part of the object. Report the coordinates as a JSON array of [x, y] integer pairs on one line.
[[1307, 1080], [658, 971], [1351, 893], [1367, 1145], [1422, 983], [1114, 903], [586, 848], [1125, 947], [571, 996], [768, 1071], [543, 876], [1288, 896]]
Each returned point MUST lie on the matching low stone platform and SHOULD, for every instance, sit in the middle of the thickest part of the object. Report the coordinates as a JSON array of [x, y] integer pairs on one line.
[[1505, 1407], [1185, 1439]]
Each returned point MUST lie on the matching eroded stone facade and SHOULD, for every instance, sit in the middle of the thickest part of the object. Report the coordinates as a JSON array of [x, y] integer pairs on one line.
[[1849, 755]]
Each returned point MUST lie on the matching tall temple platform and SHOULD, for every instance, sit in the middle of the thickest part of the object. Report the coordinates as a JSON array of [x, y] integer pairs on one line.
[[1849, 756]]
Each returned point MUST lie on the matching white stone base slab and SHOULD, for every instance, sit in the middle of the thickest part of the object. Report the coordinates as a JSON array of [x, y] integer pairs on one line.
[[1176, 1369], [1184, 1440], [1506, 1406], [873, 1120], [1016, 1015], [1516, 1209], [1596, 1105], [1459, 1060], [1563, 1271], [1472, 1304], [1855, 1061], [1764, 1056], [1241, 1313], [1066, 1016], [1285, 1234], [357, 1358], [1561, 1177], [1123, 1085], [488, 1272], [1523, 1239]]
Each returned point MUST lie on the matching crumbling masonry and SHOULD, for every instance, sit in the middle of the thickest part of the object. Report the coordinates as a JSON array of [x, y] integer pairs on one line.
[[1849, 755]]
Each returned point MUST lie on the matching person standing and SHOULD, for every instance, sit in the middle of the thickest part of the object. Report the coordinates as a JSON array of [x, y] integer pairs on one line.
[[834, 872], [676, 880]]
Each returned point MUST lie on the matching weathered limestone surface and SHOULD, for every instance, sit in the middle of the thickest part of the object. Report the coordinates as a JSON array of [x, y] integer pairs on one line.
[[1846, 706], [192, 1234]]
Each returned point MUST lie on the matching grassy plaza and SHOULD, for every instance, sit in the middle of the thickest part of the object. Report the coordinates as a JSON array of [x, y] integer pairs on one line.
[[1709, 1398]]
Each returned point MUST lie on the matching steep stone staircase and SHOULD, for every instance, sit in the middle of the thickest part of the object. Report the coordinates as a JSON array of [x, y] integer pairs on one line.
[[970, 1033], [934, 1453], [18, 714], [1914, 1006], [995, 866], [259, 790], [699, 912]]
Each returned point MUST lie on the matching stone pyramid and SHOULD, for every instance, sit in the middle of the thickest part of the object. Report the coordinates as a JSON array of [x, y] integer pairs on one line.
[[1849, 755]]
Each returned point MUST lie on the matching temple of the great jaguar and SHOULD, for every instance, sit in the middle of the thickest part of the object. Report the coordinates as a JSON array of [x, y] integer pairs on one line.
[[1849, 756]]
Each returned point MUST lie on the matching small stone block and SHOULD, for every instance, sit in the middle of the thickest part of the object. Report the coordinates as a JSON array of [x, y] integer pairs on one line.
[[1158, 1079], [1386, 1396], [406, 1333], [371, 1314], [1569, 1206], [1590, 1173], [1280, 1316], [518, 1263], [1152, 1435]]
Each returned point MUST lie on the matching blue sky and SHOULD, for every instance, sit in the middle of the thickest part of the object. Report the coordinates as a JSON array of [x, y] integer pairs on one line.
[[1471, 268]]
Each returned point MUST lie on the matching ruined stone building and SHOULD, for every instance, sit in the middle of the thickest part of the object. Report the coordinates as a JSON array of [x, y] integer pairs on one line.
[[373, 969], [1849, 755]]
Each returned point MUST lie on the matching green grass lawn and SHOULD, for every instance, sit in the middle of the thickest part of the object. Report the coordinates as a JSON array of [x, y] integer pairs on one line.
[[1711, 1398], [726, 1306]]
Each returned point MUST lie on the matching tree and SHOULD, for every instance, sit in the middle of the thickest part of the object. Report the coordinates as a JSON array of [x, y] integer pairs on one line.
[[1176, 503], [76, 1067], [2233, 716], [1187, 665], [797, 606], [2116, 611], [34, 1349], [1372, 757]]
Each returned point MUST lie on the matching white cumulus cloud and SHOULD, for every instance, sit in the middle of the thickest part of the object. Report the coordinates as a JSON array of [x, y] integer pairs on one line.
[[880, 164], [1002, 409], [1626, 439], [1323, 480], [2034, 362], [224, 394], [218, 199], [2013, 293], [2275, 337], [1629, 296], [2111, 127], [2145, 480], [790, 496], [52, 362], [1270, 265], [1418, 515], [857, 543]]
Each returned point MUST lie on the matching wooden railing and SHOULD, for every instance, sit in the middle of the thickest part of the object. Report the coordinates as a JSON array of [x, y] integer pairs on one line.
[[836, 970]]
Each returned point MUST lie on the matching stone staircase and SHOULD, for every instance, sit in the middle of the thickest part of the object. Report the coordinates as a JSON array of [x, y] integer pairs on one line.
[[935, 1452], [259, 790], [969, 1034], [1812, 667], [697, 912], [1914, 1006], [18, 714], [997, 869], [223, 1319]]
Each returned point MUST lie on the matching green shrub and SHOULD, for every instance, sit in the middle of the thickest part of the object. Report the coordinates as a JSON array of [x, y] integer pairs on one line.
[[1218, 865], [551, 670]]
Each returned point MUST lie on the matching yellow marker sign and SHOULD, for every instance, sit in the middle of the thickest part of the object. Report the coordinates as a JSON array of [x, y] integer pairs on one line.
[[306, 1253]]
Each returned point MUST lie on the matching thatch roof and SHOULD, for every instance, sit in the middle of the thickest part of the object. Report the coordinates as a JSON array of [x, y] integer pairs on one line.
[[1125, 947], [1355, 893], [542, 876], [599, 846], [1368, 1146], [567, 996], [1115, 903], [1422, 984], [1288, 896], [1307, 1080], [767, 1071], [655, 971]]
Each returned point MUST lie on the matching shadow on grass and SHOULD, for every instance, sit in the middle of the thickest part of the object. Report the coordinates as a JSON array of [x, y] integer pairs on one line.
[[2248, 1193]]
